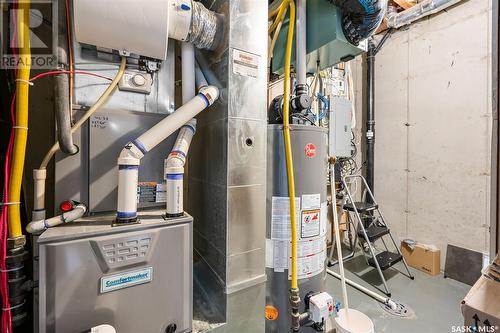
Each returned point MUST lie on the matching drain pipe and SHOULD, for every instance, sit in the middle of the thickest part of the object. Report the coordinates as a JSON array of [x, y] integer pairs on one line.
[[420, 10], [130, 156], [370, 117], [62, 105], [300, 40], [174, 163], [38, 226], [384, 300]]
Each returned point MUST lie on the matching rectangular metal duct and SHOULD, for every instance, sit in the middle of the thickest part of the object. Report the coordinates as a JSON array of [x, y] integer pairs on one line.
[[227, 163]]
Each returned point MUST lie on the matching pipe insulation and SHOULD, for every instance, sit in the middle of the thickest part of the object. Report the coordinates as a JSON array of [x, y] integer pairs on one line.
[[130, 156], [360, 18], [43, 224], [62, 105], [204, 27], [420, 10]]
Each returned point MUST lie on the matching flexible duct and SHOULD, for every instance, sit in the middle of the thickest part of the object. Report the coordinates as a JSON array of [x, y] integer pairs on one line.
[[62, 106], [360, 18], [204, 26], [418, 11]]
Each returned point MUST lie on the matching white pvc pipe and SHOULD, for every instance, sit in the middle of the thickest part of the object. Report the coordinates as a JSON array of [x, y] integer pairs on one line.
[[174, 163], [43, 224], [130, 156], [372, 294], [39, 176], [171, 123], [188, 72], [337, 242], [301, 42]]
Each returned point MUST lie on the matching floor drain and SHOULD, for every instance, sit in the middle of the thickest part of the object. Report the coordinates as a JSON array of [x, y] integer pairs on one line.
[[401, 310]]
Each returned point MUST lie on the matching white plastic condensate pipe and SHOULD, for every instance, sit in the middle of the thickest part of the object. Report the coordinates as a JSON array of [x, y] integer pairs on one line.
[[384, 300], [337, 241], [43, 224], [301, 42], [175, 161], [130, 156], [420, 10]]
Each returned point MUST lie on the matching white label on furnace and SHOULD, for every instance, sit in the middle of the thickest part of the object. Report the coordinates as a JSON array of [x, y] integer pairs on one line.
[[324, 219], [311, 201], [126, 279], [310, 223], [245, 63], [161, 192], [280, 219]]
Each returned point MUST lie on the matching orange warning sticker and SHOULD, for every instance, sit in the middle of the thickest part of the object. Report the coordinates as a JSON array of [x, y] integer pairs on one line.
[[271, 312]]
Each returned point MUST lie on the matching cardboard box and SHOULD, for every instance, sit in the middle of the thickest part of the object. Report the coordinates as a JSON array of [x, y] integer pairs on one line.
[[481, 306], [422, 258]]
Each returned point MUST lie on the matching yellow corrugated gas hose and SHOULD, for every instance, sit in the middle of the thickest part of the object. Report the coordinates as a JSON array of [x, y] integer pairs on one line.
[[21, 120], [288, 144]]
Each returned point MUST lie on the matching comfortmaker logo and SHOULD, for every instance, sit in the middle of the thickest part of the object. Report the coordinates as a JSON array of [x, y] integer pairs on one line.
[[43, 34], [126, 279]]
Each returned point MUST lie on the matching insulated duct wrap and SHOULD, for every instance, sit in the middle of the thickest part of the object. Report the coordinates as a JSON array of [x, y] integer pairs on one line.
[[203, 27], [360, 18]]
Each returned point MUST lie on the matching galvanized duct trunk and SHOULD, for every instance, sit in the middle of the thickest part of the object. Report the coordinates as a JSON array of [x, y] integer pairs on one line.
[[310, 159]]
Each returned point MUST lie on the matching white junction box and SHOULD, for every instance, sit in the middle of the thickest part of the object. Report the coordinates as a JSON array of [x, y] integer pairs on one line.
[[339, 139], [321, 307]]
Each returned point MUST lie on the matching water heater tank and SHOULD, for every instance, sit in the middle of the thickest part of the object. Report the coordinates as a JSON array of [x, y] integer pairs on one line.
[[310, 159]]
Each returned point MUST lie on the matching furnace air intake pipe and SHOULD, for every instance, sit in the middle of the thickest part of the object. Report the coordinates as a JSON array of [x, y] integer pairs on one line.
[[130, 156]]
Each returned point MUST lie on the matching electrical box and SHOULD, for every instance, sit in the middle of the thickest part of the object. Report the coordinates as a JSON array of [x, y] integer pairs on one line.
[[340, 127], [321, 307]]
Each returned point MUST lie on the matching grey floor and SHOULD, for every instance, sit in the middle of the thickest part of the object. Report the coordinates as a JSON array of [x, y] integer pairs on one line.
[[434, 299]]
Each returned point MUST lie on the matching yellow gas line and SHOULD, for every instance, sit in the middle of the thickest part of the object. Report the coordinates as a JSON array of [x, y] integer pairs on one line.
[[288, 144], [21, 120]]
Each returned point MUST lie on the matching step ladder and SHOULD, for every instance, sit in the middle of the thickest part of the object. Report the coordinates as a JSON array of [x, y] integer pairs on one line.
[[369, 226]]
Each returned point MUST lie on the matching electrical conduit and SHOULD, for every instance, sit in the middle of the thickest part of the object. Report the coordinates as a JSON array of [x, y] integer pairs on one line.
[[21, 123], [130, 156]]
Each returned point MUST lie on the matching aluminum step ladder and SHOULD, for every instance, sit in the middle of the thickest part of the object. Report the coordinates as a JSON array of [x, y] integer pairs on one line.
[[369, 226]]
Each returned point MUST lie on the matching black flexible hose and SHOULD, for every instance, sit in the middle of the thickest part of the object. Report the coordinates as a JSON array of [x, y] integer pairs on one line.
[[360, 18]]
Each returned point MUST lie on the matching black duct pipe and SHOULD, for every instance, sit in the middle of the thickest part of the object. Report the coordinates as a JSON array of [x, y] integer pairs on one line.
[[62, 105], [360, 18], [370, 115]]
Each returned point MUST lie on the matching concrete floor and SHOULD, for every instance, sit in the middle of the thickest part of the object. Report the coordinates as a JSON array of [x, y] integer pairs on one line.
[[434, 300]]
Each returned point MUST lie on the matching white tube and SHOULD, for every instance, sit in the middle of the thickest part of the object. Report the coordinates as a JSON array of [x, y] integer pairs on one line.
[[374, 295], [337, 242], [188, 72], [130, 156], [174, 163], [171, 123], [301, 42], [39, 176], [174, 169], [41, 225]]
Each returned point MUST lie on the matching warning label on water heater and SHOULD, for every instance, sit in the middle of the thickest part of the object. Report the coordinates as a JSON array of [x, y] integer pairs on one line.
[[245, 63], [310, 223]]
